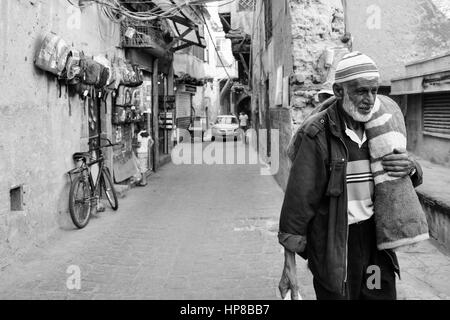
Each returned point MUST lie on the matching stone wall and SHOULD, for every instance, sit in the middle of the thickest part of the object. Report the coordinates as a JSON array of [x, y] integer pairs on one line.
[[316, 26], [303, 32], [39, 132]]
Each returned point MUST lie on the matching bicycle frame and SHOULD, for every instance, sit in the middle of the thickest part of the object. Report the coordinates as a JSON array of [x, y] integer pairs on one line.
[[81, 205], [85, 167], [95, 186]]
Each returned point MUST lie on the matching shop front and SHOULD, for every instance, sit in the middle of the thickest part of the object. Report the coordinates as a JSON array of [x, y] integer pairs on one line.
[[184, 113], [167, 115], [424, 93], [132, 125]]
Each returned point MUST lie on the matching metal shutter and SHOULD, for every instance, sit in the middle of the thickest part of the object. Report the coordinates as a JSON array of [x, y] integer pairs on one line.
[[436, 113]]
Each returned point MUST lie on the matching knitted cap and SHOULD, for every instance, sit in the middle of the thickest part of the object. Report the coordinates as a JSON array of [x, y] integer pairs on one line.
[[355, 65]]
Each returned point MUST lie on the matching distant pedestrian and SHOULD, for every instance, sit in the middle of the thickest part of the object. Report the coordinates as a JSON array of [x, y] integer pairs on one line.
[[243, 121]]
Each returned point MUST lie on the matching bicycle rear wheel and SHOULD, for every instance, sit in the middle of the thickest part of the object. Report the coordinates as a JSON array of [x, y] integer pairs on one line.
[[108, 188], [80, 205]]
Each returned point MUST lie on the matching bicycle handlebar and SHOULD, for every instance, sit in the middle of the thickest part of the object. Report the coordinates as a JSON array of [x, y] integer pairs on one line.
[[110, 144], [107, 146]]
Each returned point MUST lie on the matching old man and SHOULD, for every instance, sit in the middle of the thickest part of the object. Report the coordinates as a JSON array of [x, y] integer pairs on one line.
[[328, 214]]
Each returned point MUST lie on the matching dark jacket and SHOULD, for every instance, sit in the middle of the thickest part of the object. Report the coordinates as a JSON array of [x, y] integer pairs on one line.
[[315, 203]]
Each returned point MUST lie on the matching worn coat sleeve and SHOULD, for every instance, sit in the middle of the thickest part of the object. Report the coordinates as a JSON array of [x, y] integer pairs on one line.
[[417, 178], [305, 190]]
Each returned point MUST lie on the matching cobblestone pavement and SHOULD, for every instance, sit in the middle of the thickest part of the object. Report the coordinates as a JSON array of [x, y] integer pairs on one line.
[[195, 232]]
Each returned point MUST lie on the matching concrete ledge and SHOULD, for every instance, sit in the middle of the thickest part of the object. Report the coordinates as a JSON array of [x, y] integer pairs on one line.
[[434, 204], [434, 195], [438, 216]]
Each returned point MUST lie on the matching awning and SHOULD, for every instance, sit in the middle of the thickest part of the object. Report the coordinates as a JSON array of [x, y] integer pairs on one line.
[[423, 76], [426, 83], [185, 24]]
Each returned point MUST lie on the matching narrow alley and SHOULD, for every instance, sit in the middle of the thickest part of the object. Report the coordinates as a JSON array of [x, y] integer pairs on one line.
[[341, 105], [195, 232]]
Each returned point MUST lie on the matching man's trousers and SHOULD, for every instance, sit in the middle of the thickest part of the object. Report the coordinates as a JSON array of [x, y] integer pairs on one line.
[[370, 272]]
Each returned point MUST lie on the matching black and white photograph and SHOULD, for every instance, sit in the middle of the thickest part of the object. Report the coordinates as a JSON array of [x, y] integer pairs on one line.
[[228, 155]]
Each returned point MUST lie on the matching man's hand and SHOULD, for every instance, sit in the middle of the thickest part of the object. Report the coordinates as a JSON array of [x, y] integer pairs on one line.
[[289, 277], [399, 164]]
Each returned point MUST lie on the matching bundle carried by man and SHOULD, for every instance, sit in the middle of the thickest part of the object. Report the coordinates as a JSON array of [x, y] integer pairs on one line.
[[399, 217]]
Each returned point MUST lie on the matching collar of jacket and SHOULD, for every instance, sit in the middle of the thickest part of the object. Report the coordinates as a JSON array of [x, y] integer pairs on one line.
[[335, 120]]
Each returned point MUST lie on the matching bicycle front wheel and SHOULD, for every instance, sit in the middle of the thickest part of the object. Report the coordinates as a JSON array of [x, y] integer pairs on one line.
[[80, 205], [109, 191]]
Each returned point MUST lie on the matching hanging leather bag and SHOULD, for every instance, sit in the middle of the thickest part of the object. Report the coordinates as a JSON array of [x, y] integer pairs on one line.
[[73, 68], [91, 71]]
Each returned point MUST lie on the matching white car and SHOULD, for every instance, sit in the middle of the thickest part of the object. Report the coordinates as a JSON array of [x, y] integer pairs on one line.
[[225, 126]]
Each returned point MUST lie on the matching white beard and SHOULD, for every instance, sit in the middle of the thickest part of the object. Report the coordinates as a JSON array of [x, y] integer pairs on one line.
[[352, 110]]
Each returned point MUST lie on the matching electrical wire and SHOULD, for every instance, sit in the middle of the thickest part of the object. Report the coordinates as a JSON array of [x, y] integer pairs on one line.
[[116, 10]]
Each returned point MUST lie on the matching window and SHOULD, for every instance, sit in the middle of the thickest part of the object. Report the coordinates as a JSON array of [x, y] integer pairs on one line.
[[220, 43], [16, 198], [206, 52], [436, 114], [195, 51], [245, 5], [198, 52], [220, 56], [268, 19]]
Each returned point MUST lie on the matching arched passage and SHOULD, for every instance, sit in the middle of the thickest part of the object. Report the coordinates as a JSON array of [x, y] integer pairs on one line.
[[245, 105]]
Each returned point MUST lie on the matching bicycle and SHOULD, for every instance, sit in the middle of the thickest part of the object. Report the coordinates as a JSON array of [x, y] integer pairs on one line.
[[84, 193]]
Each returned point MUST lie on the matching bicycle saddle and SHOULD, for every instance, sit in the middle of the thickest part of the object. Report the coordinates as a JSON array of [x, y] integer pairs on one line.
[[82, 156]]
